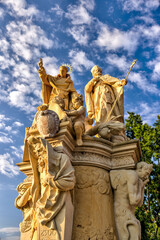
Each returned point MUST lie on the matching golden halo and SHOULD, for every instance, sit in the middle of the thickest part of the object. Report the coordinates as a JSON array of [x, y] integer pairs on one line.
[[68, 66]]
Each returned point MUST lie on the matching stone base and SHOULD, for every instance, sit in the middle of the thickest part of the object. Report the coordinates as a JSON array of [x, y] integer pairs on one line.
[[93, 199]]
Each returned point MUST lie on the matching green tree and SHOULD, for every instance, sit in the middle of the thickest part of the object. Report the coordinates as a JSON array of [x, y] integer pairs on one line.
[[149, 137]]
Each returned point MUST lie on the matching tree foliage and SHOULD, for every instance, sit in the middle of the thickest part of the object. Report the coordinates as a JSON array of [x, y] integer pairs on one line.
[[149, 137]]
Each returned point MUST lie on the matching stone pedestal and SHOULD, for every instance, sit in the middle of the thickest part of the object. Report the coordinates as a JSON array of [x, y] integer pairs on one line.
[[92, 195], [93, 202]]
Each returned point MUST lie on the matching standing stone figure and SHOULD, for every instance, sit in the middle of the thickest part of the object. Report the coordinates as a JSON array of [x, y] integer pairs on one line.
[[100, 93], [128, 188], [60, 85]]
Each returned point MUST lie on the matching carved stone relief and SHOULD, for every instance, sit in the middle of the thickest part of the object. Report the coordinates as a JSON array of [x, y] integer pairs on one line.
[[93, 218]]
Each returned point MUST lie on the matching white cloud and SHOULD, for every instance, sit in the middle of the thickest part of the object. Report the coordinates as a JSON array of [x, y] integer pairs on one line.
[[78, 15], [5, 62], [9, 230], [4, 118], [5, 139], [139, 5], [79, 34], [148, 111], [1, 12], [5, 126], [50, 65], [152, 32], [147, 19], [79, 60], [16, 151], [155, 65], [18, 124], [20, 8], [58, 11], [23, 101], [22, 70], [141, 81], [120, 62], [89, 4], [115, 39], [26, 39], [4, 46], [7, 166]]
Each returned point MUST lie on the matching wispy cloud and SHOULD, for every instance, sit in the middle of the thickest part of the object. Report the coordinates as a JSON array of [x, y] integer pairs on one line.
[[88, 4], [10, 233], [26, 38], [79, 33], [8, 126], [9, 230], [148, 111], [121, 63], [139, 5], [5, 139], [79, 60], [20, 8], [142, 82], [78, 14], [7, 166], [114, 39], [1, 12], [17, 151]]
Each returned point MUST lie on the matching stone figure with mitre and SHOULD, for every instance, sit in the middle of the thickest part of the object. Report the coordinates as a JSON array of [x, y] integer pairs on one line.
[[100, 93]]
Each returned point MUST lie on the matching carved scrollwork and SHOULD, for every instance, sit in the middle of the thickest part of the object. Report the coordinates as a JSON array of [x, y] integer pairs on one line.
[[92, 158], [90, 177], [122, 161]]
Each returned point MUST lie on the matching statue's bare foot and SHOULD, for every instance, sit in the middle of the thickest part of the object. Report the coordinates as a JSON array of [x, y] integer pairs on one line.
[[79, 142]]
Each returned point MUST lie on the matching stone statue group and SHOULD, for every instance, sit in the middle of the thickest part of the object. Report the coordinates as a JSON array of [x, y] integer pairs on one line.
[[104, 102], [45, 196]]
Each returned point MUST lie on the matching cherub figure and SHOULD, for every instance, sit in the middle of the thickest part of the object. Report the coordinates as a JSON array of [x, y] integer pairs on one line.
[[77, 116]]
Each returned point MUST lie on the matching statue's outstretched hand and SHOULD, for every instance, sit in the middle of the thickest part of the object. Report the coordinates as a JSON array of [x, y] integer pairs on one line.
[[40, 64], [124, 82]]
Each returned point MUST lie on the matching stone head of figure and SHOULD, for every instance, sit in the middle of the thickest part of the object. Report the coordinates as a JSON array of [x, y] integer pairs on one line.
[[63, 71], [144, 169], [96, 71], [77, 101]]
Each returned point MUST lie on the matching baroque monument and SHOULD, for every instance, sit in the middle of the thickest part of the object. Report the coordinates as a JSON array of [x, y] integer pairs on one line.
[[83, 181]]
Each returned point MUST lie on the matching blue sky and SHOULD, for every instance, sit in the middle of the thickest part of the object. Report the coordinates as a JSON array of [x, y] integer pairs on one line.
[[82, 33]]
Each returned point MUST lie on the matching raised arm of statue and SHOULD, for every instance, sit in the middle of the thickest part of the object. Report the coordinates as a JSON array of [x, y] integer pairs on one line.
[[42, 73], [22, 200], [90, 85]]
